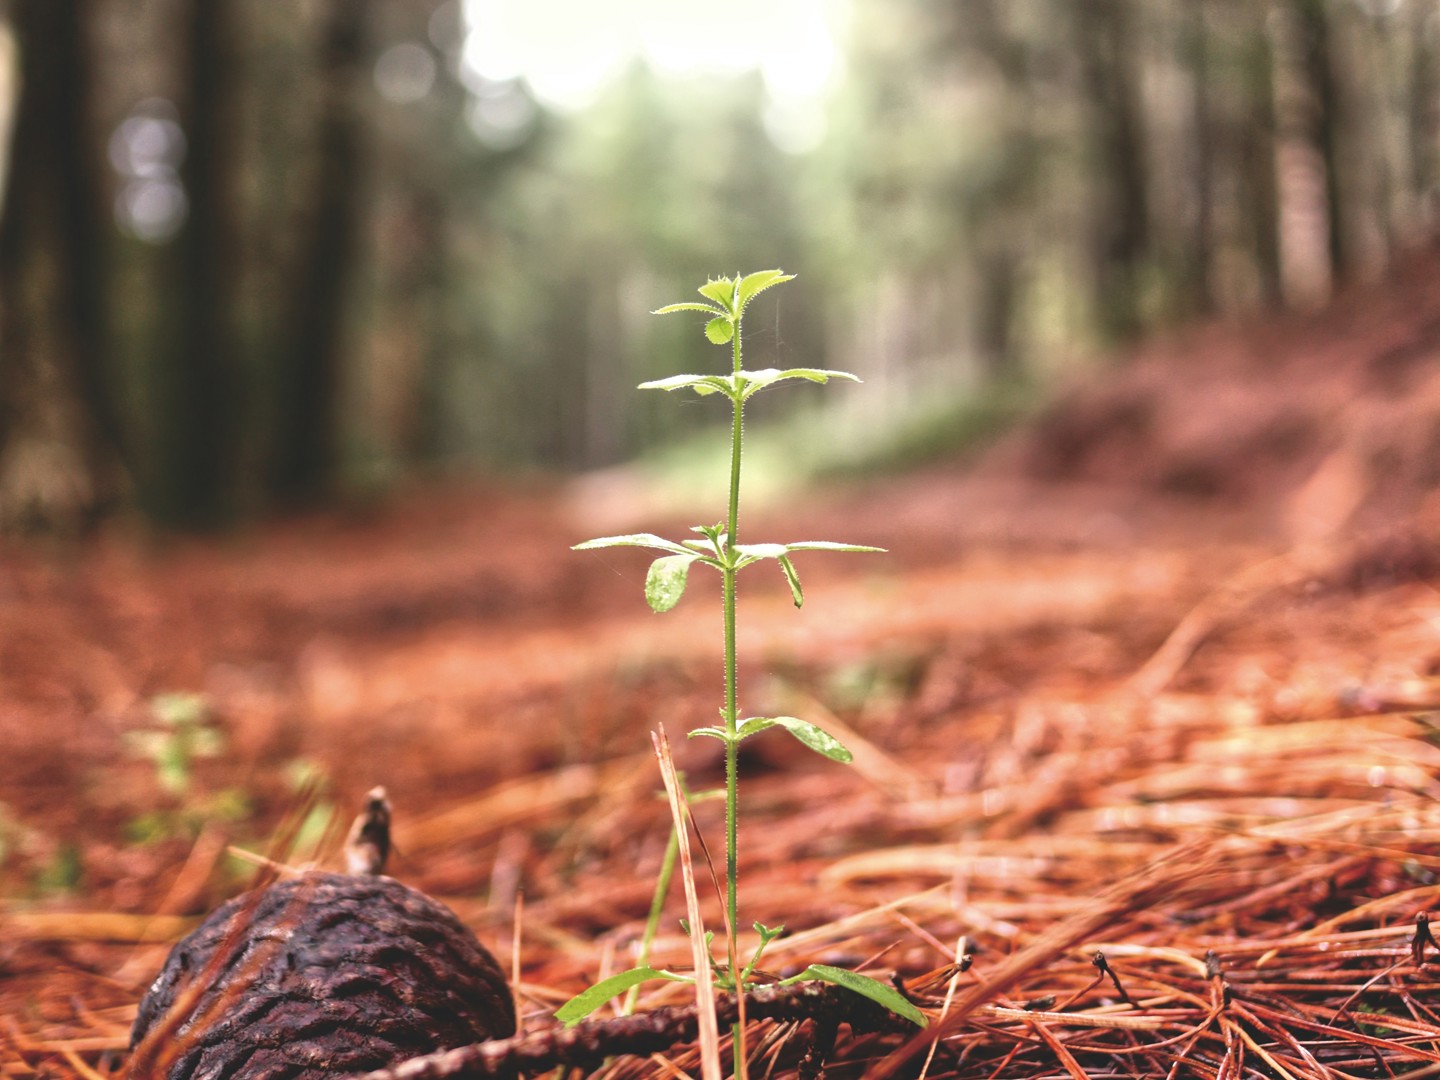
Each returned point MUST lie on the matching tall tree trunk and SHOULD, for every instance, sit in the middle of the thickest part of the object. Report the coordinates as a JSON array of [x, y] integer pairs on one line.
[[1329, 119], [419, 290], [196, 483], [1422, 118], [1000, 238], [1120, 216], [20, 213], [1304, 182], [306, 456], [53, 250], [997, 295], [1254, 151], [1197, 272]]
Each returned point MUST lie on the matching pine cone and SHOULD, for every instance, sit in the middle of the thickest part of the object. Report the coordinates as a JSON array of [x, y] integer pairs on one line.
[[318, 975]]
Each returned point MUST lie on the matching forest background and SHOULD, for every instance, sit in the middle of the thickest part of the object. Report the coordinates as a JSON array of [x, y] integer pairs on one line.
[[253, 256], [388, 264]]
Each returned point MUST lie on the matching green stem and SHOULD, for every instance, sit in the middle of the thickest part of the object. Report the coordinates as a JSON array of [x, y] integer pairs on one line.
[[657, 906], [731, 759], [732, 709]]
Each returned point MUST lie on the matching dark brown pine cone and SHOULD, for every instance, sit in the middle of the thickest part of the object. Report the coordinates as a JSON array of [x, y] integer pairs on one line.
[[318, 975]]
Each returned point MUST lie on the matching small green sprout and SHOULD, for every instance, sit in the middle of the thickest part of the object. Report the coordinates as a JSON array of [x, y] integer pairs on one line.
[[717, 547], [184, 733]]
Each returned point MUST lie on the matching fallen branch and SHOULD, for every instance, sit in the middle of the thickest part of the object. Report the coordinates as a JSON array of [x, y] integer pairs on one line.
[[587, 1044]]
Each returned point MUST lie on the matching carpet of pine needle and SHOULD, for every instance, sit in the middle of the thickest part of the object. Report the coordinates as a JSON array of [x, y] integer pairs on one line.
[[1183, 824]]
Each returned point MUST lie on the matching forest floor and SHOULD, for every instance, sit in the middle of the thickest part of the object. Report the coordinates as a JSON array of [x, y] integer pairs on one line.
[[1154, 678]]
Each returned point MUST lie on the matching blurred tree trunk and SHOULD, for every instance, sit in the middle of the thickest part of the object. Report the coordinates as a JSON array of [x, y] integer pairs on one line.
[[1254, 137], [1119, 240], [53, 305], [195, 485], [421, 293], [1303, 178], [1351, 72], [1196, 271], [1422, 110], [999, 226], [307, 450], [997, 297]]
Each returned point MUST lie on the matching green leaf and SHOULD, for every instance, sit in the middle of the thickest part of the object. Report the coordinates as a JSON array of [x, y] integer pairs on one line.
[[711, 733], [179, 709], [828, 545], [767, 935], [753, 726], [817, 739], [714, 533], [876, 991], [587, 1001], [722, 291], [706, 546], [172, 767], [758, 282], [720, 329], [792, 579], [742, 384], [761, 551], [755, 381], [670, 309], [665, 583], [702, 384], [646, 540]]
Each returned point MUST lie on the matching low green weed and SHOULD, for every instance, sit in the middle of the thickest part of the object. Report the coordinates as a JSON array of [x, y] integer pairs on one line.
[[183, 733], [717, 547]]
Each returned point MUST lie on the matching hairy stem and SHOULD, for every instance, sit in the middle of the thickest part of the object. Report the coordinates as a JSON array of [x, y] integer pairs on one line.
[[732, 709], [731, 758]]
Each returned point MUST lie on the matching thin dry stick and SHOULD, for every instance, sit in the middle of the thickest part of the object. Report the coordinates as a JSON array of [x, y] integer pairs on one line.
[[518, 926], [77, 1063], [104, 926], [738, 1035], [1066, 1058], [704, 987], [1144, 889], [1319, 930], [949, 1000], [588, 1043]]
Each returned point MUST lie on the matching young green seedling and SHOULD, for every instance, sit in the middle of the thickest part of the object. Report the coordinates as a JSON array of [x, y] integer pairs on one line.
[[718, 548]]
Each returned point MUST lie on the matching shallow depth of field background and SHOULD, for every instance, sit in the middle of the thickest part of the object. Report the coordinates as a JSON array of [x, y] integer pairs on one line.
[[320, 325], [261, 257]]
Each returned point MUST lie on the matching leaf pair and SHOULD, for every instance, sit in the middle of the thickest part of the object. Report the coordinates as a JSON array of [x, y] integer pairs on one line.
[[741, 385], [668, 575], [587, 1001], [817, 739], [729, 295]]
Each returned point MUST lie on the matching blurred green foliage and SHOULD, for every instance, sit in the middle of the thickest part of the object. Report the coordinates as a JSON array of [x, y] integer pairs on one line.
[[184, 733]]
